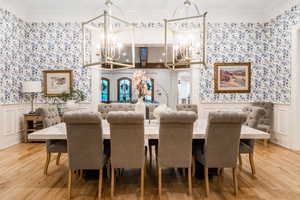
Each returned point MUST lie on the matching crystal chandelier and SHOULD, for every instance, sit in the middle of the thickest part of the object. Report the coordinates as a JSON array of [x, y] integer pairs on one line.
[[185, 37], [108, 41]]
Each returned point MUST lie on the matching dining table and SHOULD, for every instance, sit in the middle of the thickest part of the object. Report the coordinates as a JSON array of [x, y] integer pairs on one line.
[[151, 131]]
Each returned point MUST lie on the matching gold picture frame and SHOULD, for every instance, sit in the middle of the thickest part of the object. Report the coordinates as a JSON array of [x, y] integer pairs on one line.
[[57, 82], [232, 77]]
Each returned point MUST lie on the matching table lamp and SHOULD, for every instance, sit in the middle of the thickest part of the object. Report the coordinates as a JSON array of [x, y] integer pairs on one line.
[[32, 87]]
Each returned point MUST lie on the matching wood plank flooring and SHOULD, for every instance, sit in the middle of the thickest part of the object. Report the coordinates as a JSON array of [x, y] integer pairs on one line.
[[21, 177]]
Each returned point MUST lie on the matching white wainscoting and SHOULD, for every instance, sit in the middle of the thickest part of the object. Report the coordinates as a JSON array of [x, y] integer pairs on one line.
[[11, 127], [281, 135], [11, 118]]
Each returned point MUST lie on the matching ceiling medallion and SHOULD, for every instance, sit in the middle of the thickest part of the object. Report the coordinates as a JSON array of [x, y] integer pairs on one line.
[[185, 37], [108, 41]]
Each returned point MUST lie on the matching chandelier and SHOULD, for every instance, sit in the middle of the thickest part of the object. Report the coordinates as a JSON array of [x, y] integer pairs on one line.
[[108, 41], [185, 37]]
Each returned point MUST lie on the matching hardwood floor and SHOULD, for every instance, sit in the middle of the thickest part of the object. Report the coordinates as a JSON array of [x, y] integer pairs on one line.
[[21, 177]]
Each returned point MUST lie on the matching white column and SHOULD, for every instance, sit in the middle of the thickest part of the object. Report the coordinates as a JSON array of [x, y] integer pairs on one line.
[[173, 93], [195, 83], [95, 87], [295, 91]]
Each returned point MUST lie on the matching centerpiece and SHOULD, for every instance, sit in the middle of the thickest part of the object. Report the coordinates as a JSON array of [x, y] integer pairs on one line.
[[139, 80]]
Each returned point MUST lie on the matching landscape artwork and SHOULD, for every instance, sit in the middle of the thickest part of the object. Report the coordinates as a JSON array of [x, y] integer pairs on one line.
[[57, 82], [232, 77]]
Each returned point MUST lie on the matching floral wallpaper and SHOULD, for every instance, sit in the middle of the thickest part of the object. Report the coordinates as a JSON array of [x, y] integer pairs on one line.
[[30, 48], [57, 46], [12, 61]]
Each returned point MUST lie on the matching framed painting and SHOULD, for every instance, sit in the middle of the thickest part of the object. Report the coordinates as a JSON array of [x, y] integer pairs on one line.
[[232, 77], [57, 82]]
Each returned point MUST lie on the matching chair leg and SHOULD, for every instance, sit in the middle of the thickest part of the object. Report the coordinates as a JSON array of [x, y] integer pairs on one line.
[[112, 179], [156, 154], [108, 169], [69, 183], [266, 141], [240, 161], [190, 180], [206, 181], [47, 163], [100, 183], [142, 182], [80, 174], [251, 159], [235, 181], [193, 167], [159, 181], [146, 151], [58, 158], [150, 155]]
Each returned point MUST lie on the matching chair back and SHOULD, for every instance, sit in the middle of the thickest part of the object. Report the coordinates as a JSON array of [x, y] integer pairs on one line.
[[254, 114], [127, 139], [187, 107], [104, 108], [84, 138], [50, 115], [175, 139], [222, 139], [266, 122]]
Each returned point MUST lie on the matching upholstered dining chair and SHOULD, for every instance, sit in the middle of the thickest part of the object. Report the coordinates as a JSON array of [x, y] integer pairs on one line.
[[187, 107], [221, 146], [254, 114], [127, 143], [85, 144], [175, 143], [266, 122], [51, 117]]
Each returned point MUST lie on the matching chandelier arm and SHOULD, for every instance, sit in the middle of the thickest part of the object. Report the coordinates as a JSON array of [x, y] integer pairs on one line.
[[204, 38], [196, 7], [121, 20], [95, 18], [120, 10]]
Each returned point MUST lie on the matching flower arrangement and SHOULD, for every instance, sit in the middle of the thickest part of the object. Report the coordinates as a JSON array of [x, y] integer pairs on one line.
[[140, 84]]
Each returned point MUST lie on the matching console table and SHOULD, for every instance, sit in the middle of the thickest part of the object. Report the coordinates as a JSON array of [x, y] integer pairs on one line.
[[32, 123]]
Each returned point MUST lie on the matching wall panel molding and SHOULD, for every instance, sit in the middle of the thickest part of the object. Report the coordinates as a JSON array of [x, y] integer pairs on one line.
[[12, 128]]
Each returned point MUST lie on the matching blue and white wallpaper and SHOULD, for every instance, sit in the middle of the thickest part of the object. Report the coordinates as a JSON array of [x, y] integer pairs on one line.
[[30, 48], [12, 61], [57, 46]]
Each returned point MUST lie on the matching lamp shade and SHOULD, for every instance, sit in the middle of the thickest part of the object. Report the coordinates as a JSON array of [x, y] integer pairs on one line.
[[32, 87]]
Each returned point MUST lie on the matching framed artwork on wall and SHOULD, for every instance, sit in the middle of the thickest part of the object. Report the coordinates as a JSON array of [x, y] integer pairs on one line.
[[232, 77], [57, 82]]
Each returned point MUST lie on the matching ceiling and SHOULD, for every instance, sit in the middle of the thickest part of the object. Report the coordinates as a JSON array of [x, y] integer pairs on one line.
[[146, 10]]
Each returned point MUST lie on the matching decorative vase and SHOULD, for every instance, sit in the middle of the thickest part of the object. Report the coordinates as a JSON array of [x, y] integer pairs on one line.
[[140, 106]]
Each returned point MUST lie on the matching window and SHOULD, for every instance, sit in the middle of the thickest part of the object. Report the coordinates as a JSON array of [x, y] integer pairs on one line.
[[124, 90], [150, 86], [105, 90]]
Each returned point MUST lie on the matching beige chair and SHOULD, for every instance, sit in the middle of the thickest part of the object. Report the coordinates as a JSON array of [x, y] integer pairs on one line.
[[254, 114], [266, 122], [104, 108], [127, 143], [51, 117], [151, 107], [85, 144], [221, 144], [175, 143], [187, 107]]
